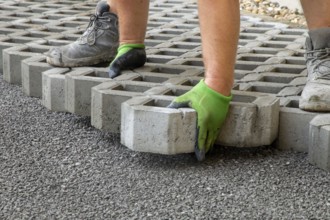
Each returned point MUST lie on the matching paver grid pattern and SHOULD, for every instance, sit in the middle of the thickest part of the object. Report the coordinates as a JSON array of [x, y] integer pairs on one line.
[[50, 174], [270, 56]]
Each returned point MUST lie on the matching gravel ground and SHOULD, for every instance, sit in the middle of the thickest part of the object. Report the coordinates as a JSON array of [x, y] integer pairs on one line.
[[55, 166], [274, 10]]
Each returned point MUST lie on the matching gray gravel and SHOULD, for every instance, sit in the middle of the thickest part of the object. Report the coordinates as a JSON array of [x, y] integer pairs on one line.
[[273, 9], [55, 166]]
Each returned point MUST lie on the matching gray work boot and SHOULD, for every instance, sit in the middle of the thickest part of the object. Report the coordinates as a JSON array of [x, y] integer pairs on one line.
[[316, 94], [97, 44]]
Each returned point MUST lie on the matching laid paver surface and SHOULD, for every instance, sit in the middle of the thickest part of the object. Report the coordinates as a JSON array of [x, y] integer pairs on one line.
[[57, 166], [270, 63]]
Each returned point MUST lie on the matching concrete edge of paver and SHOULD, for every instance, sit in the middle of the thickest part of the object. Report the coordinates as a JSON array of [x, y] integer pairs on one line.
[[53, 89], [32, 69]]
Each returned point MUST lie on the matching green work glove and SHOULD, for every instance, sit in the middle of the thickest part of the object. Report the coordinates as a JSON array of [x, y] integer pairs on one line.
[[129, 56], [211, 108]]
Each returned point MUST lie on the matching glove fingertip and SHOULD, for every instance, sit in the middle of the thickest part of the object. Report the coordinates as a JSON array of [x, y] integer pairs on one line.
[[113, 73], [199, 152]]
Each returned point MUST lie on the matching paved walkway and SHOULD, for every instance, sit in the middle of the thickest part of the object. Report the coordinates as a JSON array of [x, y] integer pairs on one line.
[[57, 166]]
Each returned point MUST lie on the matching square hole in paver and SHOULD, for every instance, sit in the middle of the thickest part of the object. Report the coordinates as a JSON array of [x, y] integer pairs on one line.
[[255, 30], [158, 103], [131, 88], [158, 59], [17, 40], [295, 61], [265, 50], [170, 53], [185, 46], [288, 70], [293, 32], [274, 45], [244, 66], [160, 37], [151, 78], [293, 104], [277, 79], [168, 70], [265, 89], [193, 63], [176, 92], [243, 98], [190, 82], [247, 36], [254, 58]]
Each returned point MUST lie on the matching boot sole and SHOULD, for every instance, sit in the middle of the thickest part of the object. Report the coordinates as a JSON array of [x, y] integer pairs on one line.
[[80, 62], [314, 106]]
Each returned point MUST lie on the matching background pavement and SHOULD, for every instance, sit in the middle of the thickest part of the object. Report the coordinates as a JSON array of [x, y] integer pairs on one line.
[[56, 166]]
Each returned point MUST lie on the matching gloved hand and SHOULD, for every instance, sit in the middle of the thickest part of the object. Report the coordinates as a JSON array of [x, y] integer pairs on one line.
[[211, 108], [129, 56]]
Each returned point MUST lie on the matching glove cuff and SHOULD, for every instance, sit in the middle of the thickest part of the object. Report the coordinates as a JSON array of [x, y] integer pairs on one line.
[[205, 88]]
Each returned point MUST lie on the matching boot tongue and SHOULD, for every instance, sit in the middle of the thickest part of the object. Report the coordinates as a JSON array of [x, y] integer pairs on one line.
[[101, 8], [320, 38]]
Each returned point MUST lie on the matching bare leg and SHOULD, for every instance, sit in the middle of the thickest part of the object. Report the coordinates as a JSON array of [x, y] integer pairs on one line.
[[317, 13], [133, 17], [316, 93], [219, 21]]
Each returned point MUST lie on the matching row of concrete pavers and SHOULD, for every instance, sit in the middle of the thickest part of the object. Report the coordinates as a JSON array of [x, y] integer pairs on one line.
[[137, 109], [251, 129]]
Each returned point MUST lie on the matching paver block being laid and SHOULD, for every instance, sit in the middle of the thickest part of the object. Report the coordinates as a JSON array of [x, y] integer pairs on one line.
[[147, 126], [252, 121], [53, 89], [319, 142]]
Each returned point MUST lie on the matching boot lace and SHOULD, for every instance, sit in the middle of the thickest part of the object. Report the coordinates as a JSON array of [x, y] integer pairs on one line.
[[321, 62], [89, 35]]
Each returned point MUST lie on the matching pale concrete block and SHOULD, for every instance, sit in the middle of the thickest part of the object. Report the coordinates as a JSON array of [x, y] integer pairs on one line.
[[252, 121], [53, 89], [78, 85], [319, 142], [32, 69], [149, 127]]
